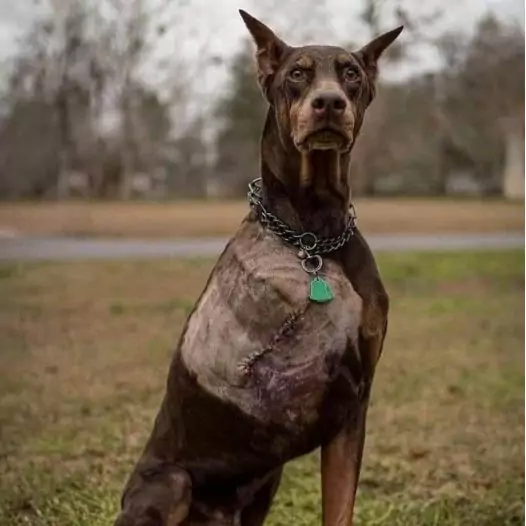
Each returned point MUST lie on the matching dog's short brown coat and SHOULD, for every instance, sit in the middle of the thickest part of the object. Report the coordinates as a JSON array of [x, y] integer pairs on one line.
[[261, 374]]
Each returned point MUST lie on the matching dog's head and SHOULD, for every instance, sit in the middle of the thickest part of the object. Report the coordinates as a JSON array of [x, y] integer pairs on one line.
[[320, 93]]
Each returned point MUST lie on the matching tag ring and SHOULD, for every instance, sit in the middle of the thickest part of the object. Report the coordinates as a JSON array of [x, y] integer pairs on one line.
[[316, 263]]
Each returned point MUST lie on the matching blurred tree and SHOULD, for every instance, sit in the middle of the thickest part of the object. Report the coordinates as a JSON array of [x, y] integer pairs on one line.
[[88, 61], [79, 101], [48, 77], [241, 113], [484, 89], [29, 149], [450, 128], [396, 151], [188, 167], [371, 162]]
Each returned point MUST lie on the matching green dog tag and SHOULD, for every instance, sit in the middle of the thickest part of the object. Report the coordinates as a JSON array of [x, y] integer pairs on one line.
[[320, 290]]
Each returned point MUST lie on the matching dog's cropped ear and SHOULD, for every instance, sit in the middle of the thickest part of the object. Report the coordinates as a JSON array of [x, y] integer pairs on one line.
[[270, 48], [371, 52]]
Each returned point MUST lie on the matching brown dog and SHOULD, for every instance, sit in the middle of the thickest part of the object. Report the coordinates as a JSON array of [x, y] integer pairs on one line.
[[279, 354]]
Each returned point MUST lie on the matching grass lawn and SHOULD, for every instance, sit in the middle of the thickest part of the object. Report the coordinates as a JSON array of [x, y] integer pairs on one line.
[[85, 348], [221, 218]]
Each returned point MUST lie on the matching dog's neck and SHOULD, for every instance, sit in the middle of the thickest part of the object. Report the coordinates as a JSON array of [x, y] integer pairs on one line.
[[308, 191]]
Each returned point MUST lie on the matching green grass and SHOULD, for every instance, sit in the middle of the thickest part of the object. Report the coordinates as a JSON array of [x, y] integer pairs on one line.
[[84, 354]]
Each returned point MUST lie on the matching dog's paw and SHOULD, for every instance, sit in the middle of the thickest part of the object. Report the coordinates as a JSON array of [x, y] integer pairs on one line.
[[149, 517]]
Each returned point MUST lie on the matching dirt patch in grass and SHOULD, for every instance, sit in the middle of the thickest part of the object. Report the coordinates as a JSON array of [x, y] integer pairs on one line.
[[205, 219], [84, 354]]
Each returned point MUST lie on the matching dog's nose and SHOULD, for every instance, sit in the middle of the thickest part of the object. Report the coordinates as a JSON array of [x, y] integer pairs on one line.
[[328, 102]]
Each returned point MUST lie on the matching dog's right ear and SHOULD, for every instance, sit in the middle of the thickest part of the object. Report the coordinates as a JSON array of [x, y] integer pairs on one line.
[[270, 48]]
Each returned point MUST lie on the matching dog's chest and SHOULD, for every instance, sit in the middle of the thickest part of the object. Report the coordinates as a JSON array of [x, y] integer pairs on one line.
[[257, 341]]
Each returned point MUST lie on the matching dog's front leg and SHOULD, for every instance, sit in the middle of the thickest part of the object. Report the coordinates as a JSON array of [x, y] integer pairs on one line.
[[341, 461]]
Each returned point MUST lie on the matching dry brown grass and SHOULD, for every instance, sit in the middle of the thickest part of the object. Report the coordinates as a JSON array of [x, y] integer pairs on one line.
[[203, 219], [85, 349]]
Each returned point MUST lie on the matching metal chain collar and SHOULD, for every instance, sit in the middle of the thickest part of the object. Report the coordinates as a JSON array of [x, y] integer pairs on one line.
[[310, 246]]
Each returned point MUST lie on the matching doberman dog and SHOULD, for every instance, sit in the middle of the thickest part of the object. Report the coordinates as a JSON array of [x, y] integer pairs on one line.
[[278, 356]]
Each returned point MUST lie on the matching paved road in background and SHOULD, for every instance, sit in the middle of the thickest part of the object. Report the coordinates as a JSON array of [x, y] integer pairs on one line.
[[55, 248]]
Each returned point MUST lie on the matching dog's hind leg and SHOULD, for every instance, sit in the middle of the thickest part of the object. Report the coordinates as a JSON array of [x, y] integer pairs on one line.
[[255, 513], [160, 495]]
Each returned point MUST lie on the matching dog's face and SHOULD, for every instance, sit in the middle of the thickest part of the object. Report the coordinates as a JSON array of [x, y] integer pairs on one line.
[[319, 93]]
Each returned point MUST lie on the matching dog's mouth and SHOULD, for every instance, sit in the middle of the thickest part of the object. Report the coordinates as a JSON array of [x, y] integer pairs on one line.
[[325, 139]]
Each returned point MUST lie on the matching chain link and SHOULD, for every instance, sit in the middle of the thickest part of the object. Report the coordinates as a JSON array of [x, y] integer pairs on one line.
[[273, 223]]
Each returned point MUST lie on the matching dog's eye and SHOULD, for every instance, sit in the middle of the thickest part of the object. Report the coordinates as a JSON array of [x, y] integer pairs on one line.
[[297, 74], [350, 74]]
